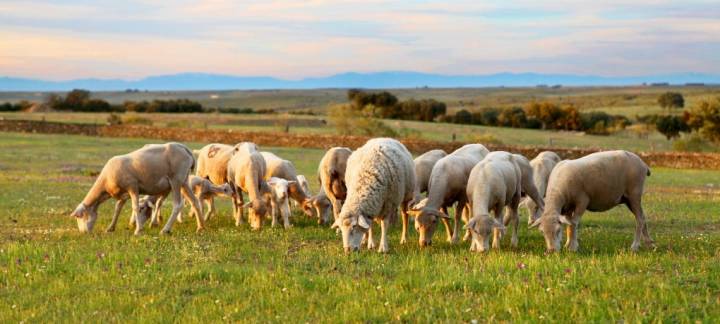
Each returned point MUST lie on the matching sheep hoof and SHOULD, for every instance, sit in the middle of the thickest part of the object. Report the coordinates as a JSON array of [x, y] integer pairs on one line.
[[110, 230], [164, 232], [200, 229]]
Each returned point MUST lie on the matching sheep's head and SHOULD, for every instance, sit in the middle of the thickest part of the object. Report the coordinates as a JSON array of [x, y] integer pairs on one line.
[[279, 189], [85, 216], [353, 227], [226, 190], [534, 210], [338, 188], [550, 224], [426, 221], [145, 206], [256, 212], [245, 147], [481, 228], [320, 207]]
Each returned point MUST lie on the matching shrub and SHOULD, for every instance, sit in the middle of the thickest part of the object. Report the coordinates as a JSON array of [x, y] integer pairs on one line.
[[704, 117], [348, 121], [114, 119], [671, 126], [136, 120], [691, 143]]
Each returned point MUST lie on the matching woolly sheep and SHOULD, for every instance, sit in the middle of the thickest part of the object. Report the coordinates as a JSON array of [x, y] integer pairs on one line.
[[379, 178], [423, 167], [542, 165], [246, 174], [331, 173]]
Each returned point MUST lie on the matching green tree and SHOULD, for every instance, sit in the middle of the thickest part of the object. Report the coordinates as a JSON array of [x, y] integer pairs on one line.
[[671, 126], [704, 117], [463, 117], [75, 99], [670, 100]]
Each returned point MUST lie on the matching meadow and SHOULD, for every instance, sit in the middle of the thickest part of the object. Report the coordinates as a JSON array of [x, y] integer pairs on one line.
[[51, 272]]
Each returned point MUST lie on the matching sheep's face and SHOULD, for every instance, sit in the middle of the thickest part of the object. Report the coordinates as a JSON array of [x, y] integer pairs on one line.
[[353, 228], [426, 221], [145, 207], [245, 148], [85, 217], [227, 190], [481, 229], [550, 224], [534, 209], [258, 210]]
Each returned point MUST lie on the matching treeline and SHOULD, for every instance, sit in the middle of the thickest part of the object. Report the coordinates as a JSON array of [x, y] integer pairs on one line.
[[542, 115], [20, 106], [386, 105]]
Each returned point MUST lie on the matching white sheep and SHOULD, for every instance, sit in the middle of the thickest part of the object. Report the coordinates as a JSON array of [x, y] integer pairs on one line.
[[331, 172], [542, 165], [380, 177], [155, 169], [246, 174], [213, 162], [204, 190], [447, 186], [494, 183], [423, 167], [529, 189], [279, 200], [322, 207], [284, 169], [596, 182]]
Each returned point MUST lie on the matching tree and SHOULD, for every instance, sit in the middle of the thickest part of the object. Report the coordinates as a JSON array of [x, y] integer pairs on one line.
[[546, 112], [669, 100], [75, 99], [671, 126], [704, 117], [349, 121], [463, 117], [512, 117]]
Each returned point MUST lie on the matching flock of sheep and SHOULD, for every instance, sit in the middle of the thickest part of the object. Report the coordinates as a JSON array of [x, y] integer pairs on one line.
[[370, 184]]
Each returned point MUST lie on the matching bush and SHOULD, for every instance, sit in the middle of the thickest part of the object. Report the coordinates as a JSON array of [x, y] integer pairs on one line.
[[671, 126], [671, 100], [15, 107], [463, 117], [114, 119], [692, 143], [348, 121], [484, 138], [704, 117], [136, 120]]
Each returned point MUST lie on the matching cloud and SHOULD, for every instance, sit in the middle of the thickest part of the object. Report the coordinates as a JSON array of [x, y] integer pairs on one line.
[[292, 39]]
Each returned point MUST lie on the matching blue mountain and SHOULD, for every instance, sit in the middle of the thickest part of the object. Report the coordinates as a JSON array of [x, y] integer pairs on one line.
[[390, 79]]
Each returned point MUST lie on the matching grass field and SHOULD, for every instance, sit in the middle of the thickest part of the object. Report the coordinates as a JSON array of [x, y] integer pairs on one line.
[[51, 272], [432, 131]]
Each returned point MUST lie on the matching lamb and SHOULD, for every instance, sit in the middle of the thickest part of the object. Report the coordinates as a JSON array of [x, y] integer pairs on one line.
[[213, 162], [528, 183], [495, 183], [542, 165], [204, 190], [146, 209], [154, 169], [596, 182], [380, 177], [447, 184], [331, 173], [321, 206], [245, 174], [279, 200], [284, 169], [423, 167]]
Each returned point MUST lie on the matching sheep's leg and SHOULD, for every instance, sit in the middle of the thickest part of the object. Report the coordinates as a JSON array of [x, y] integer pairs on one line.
[[273, 213], [155, 221], [194, 205], [177, 206], [466, 218], [116, 214], [460, 210], [286, 215], [237, 206], [641, 234], [405, 216], [384, 225], [135, 200], [210, 203], [497, 233], [514, 215], [336, 206], [370, 241]]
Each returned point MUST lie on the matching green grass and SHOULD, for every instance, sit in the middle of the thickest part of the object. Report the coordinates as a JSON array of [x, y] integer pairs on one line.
[[50, 272]]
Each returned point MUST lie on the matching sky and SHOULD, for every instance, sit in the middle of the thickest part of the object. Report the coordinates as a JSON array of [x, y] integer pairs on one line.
[[131, 39]]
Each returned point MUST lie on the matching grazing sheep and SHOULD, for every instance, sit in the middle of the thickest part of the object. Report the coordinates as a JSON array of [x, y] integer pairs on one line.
[[305, 186], [596, 182], [331, 173], [245, 174], [528, 183], [321, 206], [423, 167], [380, 176], [213, 162], [446, 186], [494, 183], [542, 165], [284, 169], [279, 200], [155, 169]]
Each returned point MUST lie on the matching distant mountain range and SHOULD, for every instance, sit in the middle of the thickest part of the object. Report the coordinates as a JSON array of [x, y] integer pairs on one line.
[[203, 81]]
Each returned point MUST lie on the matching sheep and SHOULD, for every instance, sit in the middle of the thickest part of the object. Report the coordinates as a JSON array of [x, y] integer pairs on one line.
[[542, 165], [321, 206], [528, 183], [423, 167], [204, 190], [213, 162], [146, 209], [245, 173], [331, 173], [494, 183], [154, 169], [446, 186], [379, 177], [279, 202], [284, 169], [596, 182], [304, 185]]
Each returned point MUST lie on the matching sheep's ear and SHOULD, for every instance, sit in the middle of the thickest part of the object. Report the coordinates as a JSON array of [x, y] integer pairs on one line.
[[471, 224], [563, 220], [536, 223], [363, 222]]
